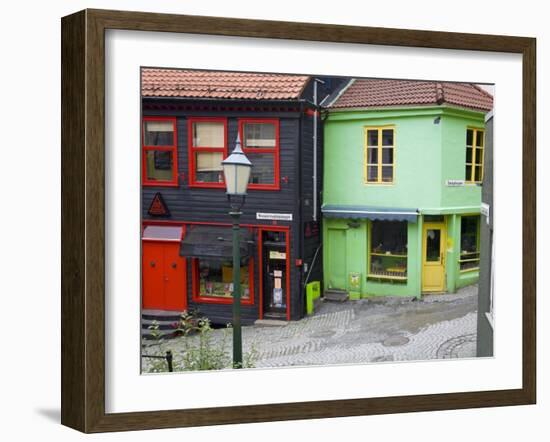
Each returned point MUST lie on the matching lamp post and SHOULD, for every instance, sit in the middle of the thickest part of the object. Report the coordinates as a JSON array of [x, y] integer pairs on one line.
[[236, 170]]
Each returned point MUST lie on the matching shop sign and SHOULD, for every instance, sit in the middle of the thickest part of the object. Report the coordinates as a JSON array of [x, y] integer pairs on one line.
[[274, 216], [455, 183], [485, 209], [273, 254]]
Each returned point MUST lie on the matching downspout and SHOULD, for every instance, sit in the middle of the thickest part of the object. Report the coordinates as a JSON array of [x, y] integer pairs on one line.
[[315, 117]]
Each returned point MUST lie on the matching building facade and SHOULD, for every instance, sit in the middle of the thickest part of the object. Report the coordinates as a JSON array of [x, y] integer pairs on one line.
[[191, 122], [404, 165]]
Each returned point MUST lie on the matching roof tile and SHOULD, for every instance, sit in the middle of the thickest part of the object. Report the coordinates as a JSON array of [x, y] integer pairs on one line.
[[380, 93], [216, 84]]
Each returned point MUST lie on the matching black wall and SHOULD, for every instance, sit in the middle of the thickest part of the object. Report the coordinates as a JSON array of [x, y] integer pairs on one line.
[[210, 204]]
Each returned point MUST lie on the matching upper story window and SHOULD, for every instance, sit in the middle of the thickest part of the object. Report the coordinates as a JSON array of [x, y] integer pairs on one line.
[[379, 155], [475, 142], [260, 142], [160, 156], [207, 149]]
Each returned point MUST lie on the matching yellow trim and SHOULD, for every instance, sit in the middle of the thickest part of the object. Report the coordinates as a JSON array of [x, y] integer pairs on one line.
[[379, 164], [442, 226], [471, 178]]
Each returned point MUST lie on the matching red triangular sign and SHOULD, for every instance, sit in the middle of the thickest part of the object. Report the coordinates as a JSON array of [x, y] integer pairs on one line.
[[158, 206]]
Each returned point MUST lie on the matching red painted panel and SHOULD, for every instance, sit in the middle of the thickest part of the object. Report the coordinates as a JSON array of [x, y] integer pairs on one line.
[[164, 277], [153, 275], [175, 284]]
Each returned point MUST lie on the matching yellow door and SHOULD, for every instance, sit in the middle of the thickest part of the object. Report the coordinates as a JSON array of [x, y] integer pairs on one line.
[[433, 257]]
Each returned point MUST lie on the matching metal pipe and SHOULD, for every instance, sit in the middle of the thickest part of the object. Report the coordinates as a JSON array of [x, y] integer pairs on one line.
[[237, 336], [316, 113]]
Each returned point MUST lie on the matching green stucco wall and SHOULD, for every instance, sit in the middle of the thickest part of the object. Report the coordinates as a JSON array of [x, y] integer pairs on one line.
[[429, 150]]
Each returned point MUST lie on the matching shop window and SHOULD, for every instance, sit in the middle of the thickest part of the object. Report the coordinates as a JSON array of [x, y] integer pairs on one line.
[[379, 155], [213, 281], [207, 149], [474, 155], [469, 243], [260, 142], [159, 152], [388, 250]]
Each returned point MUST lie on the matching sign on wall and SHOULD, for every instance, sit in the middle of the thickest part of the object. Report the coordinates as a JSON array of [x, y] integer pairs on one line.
[[274, 216]]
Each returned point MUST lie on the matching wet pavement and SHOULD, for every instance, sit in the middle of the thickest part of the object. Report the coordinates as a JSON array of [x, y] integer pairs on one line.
[[364, 331]]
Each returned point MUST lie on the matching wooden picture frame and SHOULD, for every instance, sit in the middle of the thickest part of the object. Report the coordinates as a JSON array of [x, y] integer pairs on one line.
[[83, 220]]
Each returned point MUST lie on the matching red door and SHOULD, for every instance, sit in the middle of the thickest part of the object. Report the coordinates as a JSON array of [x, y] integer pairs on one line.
[[164, 282]]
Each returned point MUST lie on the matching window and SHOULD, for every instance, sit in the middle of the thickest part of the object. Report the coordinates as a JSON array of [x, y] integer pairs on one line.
[[388, 250], [213, 281], [160, 158], [207, 149], [469, 243], [474, 155], [260, 142], [379, 155]]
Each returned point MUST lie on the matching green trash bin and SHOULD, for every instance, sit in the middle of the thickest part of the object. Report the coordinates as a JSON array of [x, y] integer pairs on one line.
[[354, 284], [313, 294]]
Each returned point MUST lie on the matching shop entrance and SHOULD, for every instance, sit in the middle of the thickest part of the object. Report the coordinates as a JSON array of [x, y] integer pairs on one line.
[[274, 273], [163, 273], [433, 257]]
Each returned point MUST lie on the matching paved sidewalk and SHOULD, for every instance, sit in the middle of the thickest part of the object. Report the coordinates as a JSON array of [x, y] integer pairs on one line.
[[366, 331]]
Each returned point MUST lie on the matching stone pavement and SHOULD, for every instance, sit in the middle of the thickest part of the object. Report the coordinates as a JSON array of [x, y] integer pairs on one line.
[[364, 331]]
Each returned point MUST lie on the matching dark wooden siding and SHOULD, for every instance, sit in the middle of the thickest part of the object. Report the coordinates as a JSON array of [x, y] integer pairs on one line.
[[209, 205]]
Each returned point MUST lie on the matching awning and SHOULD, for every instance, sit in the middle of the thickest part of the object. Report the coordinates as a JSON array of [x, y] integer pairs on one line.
[[162, 233], [209, 242], [370, 212]]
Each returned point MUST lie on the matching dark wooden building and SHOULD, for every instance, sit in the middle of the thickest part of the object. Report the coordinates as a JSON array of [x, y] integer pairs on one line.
[[191, 121]]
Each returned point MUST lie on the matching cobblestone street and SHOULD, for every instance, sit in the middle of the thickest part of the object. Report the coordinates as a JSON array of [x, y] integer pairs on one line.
[[364, 331]]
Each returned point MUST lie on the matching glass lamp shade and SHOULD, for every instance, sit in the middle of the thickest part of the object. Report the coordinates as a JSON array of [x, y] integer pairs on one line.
[[236, 169]]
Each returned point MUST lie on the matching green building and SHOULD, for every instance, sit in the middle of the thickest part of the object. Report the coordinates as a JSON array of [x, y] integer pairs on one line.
[[403, 170]]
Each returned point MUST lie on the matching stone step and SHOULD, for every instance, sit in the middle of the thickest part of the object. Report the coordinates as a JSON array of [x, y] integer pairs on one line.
[[271, 322], [161, 315], [336, 295]]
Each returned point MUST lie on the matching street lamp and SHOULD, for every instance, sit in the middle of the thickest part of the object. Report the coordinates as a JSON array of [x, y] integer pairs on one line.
[[236, 170]]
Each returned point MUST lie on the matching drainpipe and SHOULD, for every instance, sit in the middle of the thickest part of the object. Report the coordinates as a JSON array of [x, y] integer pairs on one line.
[[315, 82]]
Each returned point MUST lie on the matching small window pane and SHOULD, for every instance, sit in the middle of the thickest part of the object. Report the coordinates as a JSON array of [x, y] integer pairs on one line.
[[372, 137], [479, 156], [372, 155], [372, 173], [258, 135], [158, 165], [387, 174], [208, 168], [388, 249], [469, 137], [216, 279], [158, 133], [479, 138], [263, 168], [468, 173], [208, 134], [478, 173], [469, 155], [433, 245], [387, 137], [387, 155]]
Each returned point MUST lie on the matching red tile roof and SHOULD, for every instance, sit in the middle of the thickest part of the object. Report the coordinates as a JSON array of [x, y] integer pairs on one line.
[[379, 93], [225, 85]]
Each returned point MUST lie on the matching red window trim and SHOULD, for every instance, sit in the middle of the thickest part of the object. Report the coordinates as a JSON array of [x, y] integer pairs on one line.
[[191, 150], [196, 297], [174, 149], [274, 150]]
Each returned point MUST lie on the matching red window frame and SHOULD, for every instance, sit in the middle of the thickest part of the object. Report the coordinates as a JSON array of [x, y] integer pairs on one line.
[[192, 150], [274, 150], [173, 148], [195, 294]]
